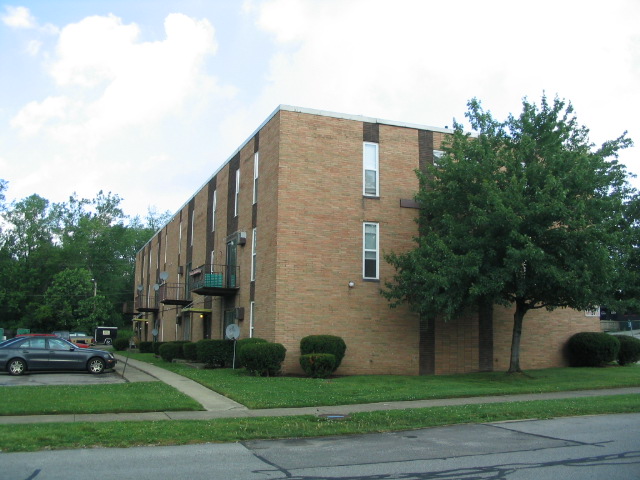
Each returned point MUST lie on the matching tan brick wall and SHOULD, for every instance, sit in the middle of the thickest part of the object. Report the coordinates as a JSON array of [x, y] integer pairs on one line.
[[267, 220], [319, 242], [456, 345], [544, 335]]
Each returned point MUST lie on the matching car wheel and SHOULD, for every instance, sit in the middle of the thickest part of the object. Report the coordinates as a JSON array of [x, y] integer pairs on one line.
[[96, 365], [107, 341], [16, 366]]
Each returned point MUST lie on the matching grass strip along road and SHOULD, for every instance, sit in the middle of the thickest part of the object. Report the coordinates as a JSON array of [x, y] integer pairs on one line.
[[295, 392], [33, 437]]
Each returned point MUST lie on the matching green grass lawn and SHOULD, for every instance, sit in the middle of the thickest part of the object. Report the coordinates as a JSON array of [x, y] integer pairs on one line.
[[32, 437], [262, 392], [120, 398]]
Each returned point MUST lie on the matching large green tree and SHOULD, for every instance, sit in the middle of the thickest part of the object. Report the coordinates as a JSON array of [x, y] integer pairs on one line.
[[67, 265], [527, 212]]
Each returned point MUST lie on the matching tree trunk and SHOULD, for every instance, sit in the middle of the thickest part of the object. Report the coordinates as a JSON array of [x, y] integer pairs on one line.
[[514, 365]]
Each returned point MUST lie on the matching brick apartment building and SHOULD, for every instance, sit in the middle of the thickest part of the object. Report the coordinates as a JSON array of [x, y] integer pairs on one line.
[[287, 239]]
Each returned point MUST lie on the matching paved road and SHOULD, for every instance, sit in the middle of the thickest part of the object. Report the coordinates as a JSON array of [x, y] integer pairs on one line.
[[597, 447]]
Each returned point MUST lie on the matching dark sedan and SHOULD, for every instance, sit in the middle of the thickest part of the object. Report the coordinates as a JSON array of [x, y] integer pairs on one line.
[[21, 354]]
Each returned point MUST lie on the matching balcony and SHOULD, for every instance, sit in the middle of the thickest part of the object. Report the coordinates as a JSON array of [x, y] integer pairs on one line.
[[173, 294], [146, 303], [215, 280], [128, 308]]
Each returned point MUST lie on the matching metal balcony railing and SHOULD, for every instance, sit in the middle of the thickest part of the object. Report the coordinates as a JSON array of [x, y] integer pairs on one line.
[[214, 280], [146, 303], [174, 294]]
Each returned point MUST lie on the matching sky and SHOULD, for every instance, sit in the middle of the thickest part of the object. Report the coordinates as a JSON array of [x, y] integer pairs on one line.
[[146, 99]]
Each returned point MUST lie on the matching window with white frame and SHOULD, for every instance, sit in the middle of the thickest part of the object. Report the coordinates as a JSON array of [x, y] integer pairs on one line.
[[237, 194], [370, 251], [256, 158], [253, 255], [214, 206], [166, 246], [193, 222], [252, 318], [370, 173]]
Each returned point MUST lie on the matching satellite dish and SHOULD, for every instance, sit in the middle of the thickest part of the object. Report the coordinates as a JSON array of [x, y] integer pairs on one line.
[[164, 276], [154, 332], [156, 287], [140, 287], [232, 332]]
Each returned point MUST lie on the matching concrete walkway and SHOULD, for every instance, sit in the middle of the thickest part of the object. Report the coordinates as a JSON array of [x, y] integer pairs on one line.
[[219, 406]]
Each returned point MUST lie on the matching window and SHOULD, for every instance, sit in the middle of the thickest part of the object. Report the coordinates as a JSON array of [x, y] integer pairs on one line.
[[252, 317], [253, 256], [256, 158], [370, 170], [193, 221], [370, 249], [213, 210], [166, 246], [237, 195]]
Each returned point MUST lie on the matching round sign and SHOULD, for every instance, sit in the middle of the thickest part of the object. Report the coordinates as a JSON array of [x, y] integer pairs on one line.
[[232, 331]]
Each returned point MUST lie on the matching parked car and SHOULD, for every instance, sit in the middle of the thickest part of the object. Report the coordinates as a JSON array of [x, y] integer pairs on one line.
[[47, 352], [81, 338], [80, 341]]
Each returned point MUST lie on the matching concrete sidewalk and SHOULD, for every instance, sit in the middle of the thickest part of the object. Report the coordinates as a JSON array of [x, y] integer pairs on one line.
[[219, 406]]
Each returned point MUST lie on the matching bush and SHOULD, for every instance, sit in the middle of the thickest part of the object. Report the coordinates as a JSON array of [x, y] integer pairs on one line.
[[592, 349], [629, 350], [215, 353], [156, 348], [121, 344], [190, 351], [262, 358], [249, 341], [242, 343], [170, 350], [324, 344], [318, 365], [146, 347]]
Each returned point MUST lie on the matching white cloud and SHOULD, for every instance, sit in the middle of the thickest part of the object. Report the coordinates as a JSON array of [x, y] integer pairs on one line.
[[18, 17], [420, 62], [114, 81]]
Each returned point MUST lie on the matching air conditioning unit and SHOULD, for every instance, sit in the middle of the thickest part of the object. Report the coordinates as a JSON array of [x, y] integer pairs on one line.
[[242, 238]]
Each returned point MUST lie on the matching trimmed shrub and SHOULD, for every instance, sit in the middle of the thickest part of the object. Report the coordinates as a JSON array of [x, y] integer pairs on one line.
[[243, 342], [318, 365], [170, 350], [262, 359], [156, 348], [249, 341], [190, 351], [629, 350], [215, 353], [324, 344], [121, 344], [592, 349], [146, 347]]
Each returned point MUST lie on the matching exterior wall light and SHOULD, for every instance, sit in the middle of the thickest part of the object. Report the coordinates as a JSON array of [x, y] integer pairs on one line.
[[352, 284]]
